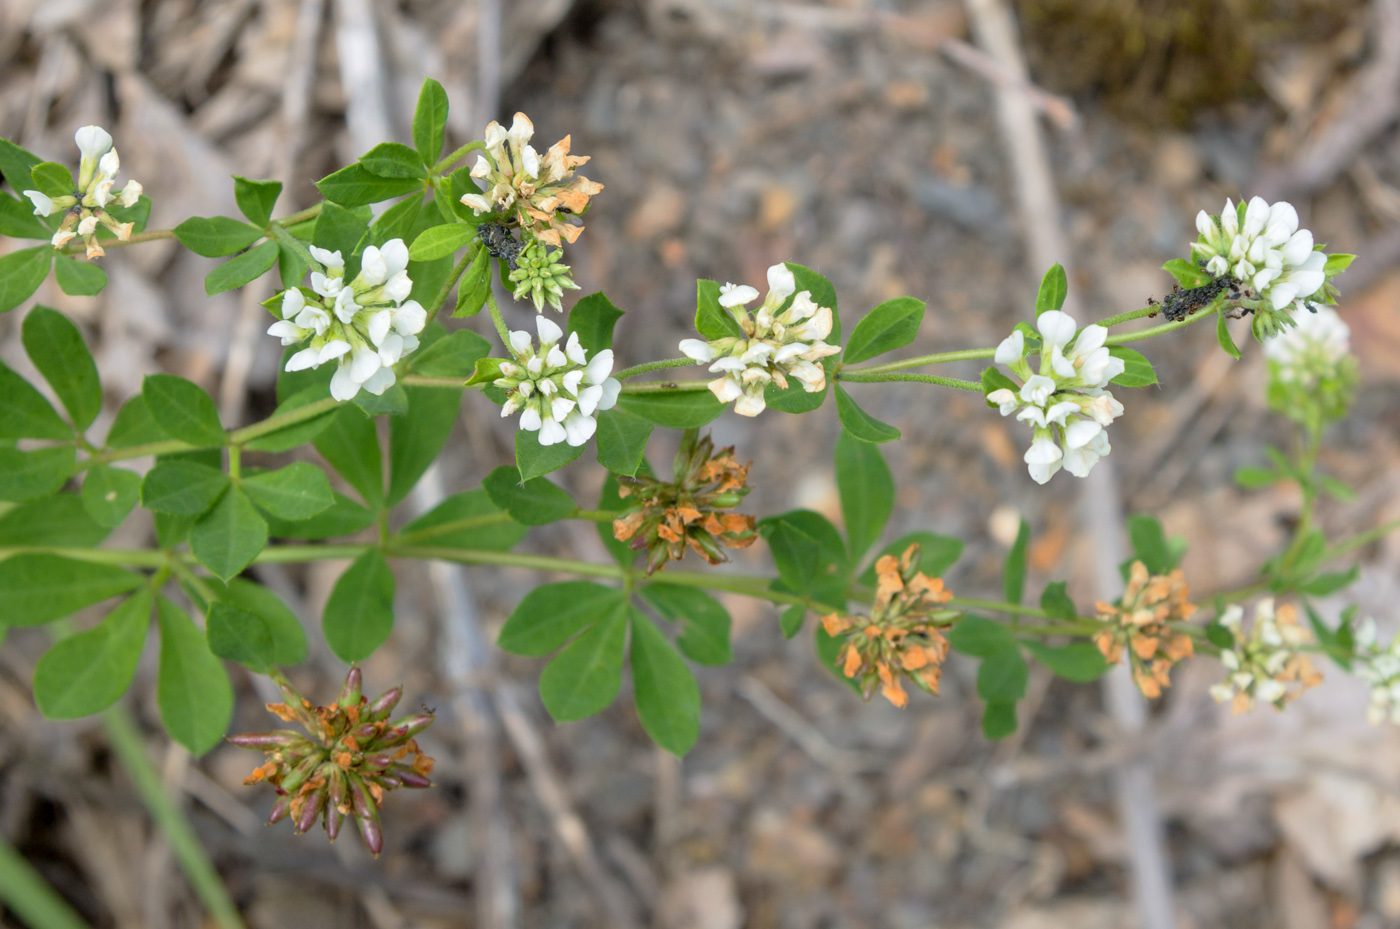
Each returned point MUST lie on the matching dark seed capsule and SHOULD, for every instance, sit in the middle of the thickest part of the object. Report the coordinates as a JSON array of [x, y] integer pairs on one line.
[[300, 773], [310, 810], [371, 833], [415, 724], [378, 762], [410, 777], [360, 799]]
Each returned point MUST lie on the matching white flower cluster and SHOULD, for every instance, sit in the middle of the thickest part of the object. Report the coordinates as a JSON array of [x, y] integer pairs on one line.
[[365, 326], [777, 343], [97, 172], [1065, 404], [1267, 252], [1263, 664], [1379, 667], [557, 391], [1312, 350]]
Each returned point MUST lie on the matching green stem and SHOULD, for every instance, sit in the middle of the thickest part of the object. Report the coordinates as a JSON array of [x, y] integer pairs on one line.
[[1130, 315], [148, 236], [166, 447], [128, 557], [284, 237], [633, 371], [201, 589], [1360, 540], [457, 271], [126, 743], [299, 217], [456, 156], [656, 387], [744, 585], [235, 462], [420, 380], [863, 378], [513, 559], [281, 421], [1157, 330], [496, 317], [965, 354], [25, 891]]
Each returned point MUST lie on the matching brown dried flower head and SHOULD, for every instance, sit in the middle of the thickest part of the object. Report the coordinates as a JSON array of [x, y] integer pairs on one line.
[[537, 193], [353, 755], [1141, 625], [666, 517], [901, 637]]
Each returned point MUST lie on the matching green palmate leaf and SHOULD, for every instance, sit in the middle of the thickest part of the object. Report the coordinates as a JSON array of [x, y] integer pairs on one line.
[[1222, 335], [17, 219], [1255, 478], [791, 620], [300, 433], [1338, 490], [86, 673], [867, 492], [416, 439], [291, 267], [474, 287], [713, 321], [284, 629], [237, 635], [29, 475], [183, 410], [535, 502], [1002, 676], [59, 520], [809, 553], [109, 494], [980, 638], [355, 185], [668, 699], [360, 612], [193, 690], [57, 349], [594, 318], [343, 517], [1057, 603], [78, 278], [256, 198], [674, 409], [430, 120], [24, 413], [860, 424], [993, 379], [134, 425], [622, 441], [218, 236], [393, 401], [298, 491], [454, 355], [551, 615], [182, 488], [351, 446], [998, 720], [429, 277], [893, 324], [393, 159], [340, 230], [1188, 275], [585, 676], [534, 460], [937, 553], [439, 241], [1137, 371], [1013, 578], [35, 589], [466, 520], [171, 530], [1151, 546], [1054, 287], [705, 623], [52, 178], [21, 273], [236, 272], [228, 537], [1080, 662]]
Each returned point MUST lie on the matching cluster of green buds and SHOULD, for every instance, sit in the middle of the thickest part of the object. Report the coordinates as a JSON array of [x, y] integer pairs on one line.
[[541, 276], [352, 756], [664, 518], [84, 202], [1312, 373]]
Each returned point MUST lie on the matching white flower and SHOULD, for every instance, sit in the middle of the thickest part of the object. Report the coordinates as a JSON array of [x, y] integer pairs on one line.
[[731, 295], [1263, 664], [43, 204], [93, 141], [1012, 349], [332, 260]]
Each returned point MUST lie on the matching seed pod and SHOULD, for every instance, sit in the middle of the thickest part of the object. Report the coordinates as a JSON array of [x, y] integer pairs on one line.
[[360, 799], [280, 809], [312, 805], [414, 724], [370, 832], [409, 777], [350, 691], [383, 705], [300, 773], [365, 733], [333, 820], [377, 762], [268, 741]]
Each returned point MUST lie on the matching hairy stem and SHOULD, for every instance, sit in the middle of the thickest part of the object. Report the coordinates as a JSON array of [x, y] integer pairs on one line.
[[659, 387], [965, 354], [496, 317], [457, 271], [457, 156], [864, 378], [633, 371], [1130, 315]]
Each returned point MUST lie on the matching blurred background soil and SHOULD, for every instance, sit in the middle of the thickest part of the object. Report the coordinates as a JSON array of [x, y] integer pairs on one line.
[[858, 137]]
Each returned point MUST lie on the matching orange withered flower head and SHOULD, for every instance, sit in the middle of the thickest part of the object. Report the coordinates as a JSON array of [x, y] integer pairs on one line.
[[665, 518], [350, 757], [1141, 625], [901, 638]]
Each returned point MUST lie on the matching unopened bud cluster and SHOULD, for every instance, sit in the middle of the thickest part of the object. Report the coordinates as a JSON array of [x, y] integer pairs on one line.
[[666, 517], [85, 208], [782, 339], [365, 325], [1268, 664], [1065, 404], [557, 391], [351, 757], [900, 639], [1311, 367], [541, 276], [1141, 625]]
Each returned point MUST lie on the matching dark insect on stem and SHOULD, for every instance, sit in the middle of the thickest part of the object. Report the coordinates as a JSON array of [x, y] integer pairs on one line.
[[500, 243], [1180, 303]]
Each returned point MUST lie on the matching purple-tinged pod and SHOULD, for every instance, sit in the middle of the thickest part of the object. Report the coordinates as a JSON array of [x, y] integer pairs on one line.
[[415, 724], [333, 820], [300, 773], [385, 779], [370, 832], [383, 705], [377, 762], [311, 808], [392, 737], [350, 690], [280, 809], [360, 800], [336, 788], [409, 777], [363, 733], [268, 741]]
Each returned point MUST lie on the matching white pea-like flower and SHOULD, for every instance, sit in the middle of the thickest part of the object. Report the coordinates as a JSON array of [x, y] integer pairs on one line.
[[1265, 664], [1311, 350], [85, 208], [557, 390]]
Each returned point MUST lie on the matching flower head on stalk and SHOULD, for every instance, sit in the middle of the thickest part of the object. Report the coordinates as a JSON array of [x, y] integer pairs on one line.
[[1141, 625], [1261, 248], [365, 326], [85, 208], [664, 518], [901, 638], [1311, 367], [537, 192], [350, 757], [1379, 667], [558, 391], [781, 339], [1065, 403], [1264, 664]]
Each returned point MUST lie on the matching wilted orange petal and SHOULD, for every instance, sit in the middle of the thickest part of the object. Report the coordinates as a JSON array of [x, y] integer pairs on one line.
[[853, 661]]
